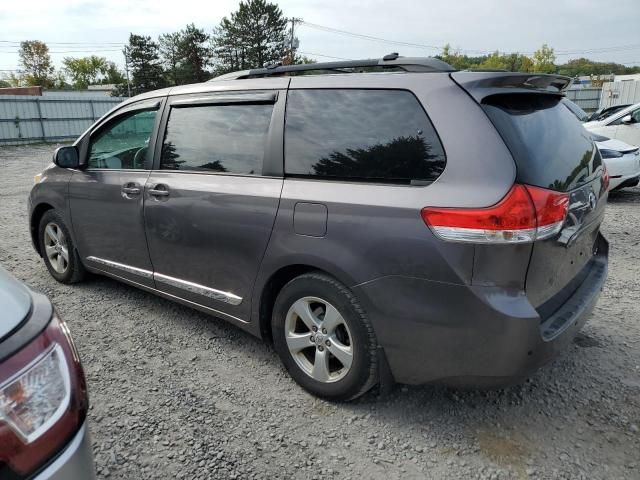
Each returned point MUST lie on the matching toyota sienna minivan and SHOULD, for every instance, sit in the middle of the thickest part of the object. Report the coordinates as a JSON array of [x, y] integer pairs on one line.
[[374, 219]]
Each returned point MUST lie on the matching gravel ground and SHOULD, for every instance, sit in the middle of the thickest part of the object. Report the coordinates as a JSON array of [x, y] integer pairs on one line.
[[175, 393]]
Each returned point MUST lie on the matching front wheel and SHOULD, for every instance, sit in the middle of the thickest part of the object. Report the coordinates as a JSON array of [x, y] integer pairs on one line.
[[58, 250], [324, 338]]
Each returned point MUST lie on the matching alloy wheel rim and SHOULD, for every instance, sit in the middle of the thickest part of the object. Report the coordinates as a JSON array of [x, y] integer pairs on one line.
[[319, 339], [56, 249]]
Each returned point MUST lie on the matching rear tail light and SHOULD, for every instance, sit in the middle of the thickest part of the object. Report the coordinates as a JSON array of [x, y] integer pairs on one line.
[[43, 400], [525, 214]]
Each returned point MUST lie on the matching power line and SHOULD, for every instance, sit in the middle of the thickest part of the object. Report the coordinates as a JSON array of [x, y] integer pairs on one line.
[[365, 37], [68, 43], [325, 56], [610, 49]]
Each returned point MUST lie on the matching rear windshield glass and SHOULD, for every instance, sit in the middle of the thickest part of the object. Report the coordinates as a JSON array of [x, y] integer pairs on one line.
[[549, 144]]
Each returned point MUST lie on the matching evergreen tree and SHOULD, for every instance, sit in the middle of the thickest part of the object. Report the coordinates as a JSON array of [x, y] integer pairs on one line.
[[194, 55], [169, 46], [144, 63], [254, 36]]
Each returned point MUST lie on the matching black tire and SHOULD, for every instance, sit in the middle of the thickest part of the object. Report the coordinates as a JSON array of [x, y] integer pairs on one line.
[[74, 271], [357, 332]]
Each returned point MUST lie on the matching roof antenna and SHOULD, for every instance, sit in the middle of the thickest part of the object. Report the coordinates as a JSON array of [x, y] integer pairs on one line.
[[391, 56]]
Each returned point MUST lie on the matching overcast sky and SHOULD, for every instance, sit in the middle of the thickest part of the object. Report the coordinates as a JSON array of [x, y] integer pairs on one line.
[[582, 27]]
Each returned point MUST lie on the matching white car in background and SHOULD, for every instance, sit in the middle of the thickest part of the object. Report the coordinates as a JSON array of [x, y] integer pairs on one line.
[[623, 125], [622, 160]]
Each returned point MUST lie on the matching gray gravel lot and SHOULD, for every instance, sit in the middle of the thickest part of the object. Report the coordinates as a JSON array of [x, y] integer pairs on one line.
[[175, 393]]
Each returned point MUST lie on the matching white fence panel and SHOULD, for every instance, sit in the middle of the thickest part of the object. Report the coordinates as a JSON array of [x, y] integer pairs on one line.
[[620, 93]]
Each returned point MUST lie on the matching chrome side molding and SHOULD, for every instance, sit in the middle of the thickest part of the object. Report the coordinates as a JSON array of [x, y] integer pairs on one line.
[[219, 295], [141, 272]]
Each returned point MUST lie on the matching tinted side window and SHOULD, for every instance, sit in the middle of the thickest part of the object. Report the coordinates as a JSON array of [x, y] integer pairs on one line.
[[370, 135], [217, 138], [124, 142]]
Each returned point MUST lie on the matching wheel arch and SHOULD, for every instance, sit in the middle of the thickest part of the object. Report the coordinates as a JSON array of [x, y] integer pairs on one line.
[[274, 283], [38, 211]]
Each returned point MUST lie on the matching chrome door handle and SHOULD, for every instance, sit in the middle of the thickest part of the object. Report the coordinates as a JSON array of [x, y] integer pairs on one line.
[[131, 189], [159, 191]]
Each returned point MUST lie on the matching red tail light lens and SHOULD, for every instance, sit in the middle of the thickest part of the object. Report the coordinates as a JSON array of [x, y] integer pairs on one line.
[[525, 214], [43, 399]]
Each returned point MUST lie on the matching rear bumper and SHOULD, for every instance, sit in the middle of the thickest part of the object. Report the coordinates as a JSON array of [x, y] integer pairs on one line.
[[74, 463], [473, 335]]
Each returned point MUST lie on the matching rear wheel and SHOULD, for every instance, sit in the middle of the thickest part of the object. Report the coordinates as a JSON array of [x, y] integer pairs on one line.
[[324, 338], [58, 250]]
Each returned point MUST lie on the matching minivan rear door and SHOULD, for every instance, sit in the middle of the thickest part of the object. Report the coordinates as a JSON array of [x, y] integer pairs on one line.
[[212, 198], [551, 150]]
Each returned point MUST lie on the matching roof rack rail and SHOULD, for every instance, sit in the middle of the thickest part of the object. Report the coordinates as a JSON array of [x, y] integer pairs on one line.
[[392, 60]]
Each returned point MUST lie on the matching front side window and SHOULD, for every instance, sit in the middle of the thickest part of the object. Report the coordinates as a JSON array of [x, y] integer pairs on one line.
[[124, 142], [363, 135], [217, 138]]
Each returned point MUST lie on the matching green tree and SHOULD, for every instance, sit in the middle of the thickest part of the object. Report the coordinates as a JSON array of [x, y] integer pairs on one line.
[[515, 62], [584, 66], [303, 60], [4, 84], [112, 75], [494, 61], [543, 60], [36, 63], [254, 36], [453, 58], [144, 62], [91, 70], [84, 71], [13, 80], [169, 49], [194, 55]]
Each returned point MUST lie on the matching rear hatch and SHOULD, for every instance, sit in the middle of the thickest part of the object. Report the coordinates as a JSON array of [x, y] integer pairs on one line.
[[552, 150]]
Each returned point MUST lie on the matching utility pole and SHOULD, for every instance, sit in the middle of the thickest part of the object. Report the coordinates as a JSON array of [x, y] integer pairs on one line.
[[292, 40], [126, 69]]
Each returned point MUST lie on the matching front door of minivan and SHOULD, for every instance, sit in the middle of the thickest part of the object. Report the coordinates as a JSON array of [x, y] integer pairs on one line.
[[106, 198], [213, 195]]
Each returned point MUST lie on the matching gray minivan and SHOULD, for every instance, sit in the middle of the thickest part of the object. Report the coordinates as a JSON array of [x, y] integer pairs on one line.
[[375, 219]]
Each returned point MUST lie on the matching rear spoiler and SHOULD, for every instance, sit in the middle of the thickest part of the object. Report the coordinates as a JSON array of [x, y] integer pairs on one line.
[[483, 84]]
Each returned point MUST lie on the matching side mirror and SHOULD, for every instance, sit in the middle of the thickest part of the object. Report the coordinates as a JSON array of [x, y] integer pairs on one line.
[[627, 119], [67, 157]]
